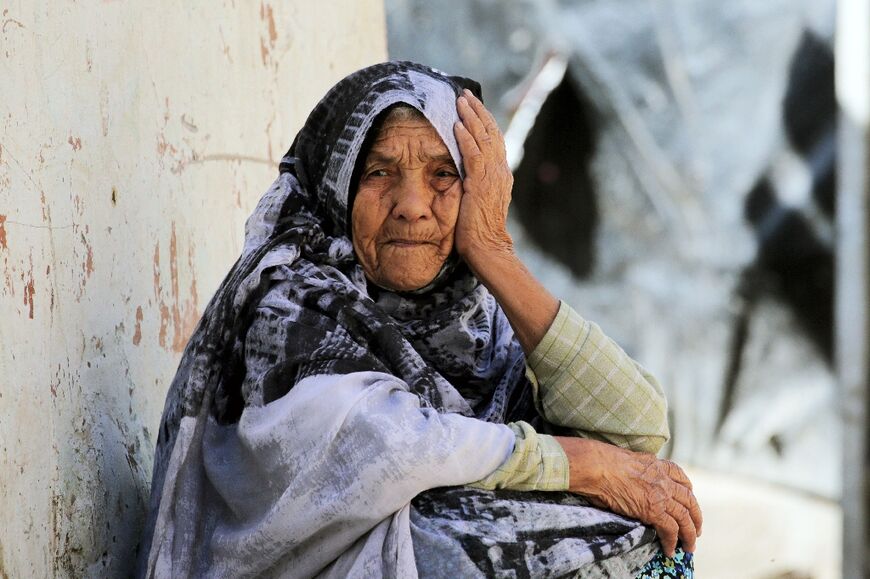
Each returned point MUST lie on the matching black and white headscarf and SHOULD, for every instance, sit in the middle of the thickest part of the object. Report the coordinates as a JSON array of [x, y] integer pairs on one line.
[[311, 407]]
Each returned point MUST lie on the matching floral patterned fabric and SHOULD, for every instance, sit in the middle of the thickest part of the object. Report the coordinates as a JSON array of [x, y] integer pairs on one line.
[[680, 567]]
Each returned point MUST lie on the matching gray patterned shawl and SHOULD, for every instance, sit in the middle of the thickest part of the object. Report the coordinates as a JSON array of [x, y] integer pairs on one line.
[[320, 426]]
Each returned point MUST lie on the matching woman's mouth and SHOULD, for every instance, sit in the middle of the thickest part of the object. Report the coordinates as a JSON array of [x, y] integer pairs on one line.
[[407, 242]]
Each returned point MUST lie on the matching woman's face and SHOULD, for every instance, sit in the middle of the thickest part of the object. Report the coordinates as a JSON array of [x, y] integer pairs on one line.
[[405, 209]]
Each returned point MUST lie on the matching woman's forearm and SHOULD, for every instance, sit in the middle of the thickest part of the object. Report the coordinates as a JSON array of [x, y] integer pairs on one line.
[[639, 423], [529, 307], [584, 381], [593, 385], [481, 235]]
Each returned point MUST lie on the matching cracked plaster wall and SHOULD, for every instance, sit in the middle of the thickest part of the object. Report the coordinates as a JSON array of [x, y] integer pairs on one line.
[[134, 140]]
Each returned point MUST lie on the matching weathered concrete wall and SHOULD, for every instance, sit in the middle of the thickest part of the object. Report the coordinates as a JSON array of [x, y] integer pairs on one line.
[[135, 137]]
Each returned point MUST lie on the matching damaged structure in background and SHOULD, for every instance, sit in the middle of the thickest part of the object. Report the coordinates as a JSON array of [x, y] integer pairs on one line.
[[675, 178]]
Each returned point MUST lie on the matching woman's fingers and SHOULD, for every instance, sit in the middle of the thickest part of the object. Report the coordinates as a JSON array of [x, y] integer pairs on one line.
[[677, 474], [482, 126], [682, 491], [668, 531], [483, 113], [671, 506], [472, 157], [687, 531], [473, 122], [682, 508], [687, 499]]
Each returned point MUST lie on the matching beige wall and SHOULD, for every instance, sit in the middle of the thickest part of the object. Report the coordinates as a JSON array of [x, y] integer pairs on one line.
[[135, 137]]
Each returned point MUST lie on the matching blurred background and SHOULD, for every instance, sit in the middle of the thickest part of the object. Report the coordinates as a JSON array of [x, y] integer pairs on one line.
[[689, 174], [675, 168]]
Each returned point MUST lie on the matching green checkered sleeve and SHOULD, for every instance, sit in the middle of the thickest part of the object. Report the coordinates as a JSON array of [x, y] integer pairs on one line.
[[584, 381], [537, 463]]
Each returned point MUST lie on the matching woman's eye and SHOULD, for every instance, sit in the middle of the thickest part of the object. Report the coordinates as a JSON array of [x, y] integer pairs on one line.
[[446, 173], [377, 173]]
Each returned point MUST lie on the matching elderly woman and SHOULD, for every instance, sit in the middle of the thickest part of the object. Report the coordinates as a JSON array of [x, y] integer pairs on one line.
[[379, 388]]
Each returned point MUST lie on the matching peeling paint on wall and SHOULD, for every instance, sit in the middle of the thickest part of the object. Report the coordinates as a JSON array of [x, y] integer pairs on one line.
[[137, 334], [268, 36], [178, 314], [29, 289]]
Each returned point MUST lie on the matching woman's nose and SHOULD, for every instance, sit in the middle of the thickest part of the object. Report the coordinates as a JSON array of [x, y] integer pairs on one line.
[[412, 200]]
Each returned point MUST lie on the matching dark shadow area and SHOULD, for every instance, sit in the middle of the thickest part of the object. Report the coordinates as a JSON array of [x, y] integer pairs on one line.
[[553, 190], [810, 113], [793, 264]]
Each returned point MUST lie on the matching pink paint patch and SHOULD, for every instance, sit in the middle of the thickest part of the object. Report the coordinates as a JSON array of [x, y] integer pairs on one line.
[[178, 315], [137, 334], [89, 262], [29, 291]]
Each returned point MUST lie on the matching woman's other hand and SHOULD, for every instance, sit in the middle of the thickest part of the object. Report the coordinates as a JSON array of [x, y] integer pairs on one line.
[[481, 227], [638, 485]]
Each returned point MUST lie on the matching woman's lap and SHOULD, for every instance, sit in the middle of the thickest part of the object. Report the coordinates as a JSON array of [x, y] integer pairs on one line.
[[533, 534]]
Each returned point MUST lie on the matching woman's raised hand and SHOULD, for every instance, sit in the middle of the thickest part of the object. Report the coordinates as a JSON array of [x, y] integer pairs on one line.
[[481, 237], [638, 485], [482, 224]]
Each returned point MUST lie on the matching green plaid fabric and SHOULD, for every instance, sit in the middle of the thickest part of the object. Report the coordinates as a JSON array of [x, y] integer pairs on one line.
[[585, 382], [537, 463]]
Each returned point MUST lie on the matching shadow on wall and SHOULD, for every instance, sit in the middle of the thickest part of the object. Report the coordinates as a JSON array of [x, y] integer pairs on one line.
[[793, 219], [553, 189], [794, 227]]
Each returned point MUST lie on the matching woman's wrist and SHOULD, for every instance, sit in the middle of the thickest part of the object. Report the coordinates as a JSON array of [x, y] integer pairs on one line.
[[585, 464], [529, 307], [480, 255]]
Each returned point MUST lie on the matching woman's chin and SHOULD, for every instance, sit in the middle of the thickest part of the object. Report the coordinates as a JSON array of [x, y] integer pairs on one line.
[[404, 282], [408, 286]]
